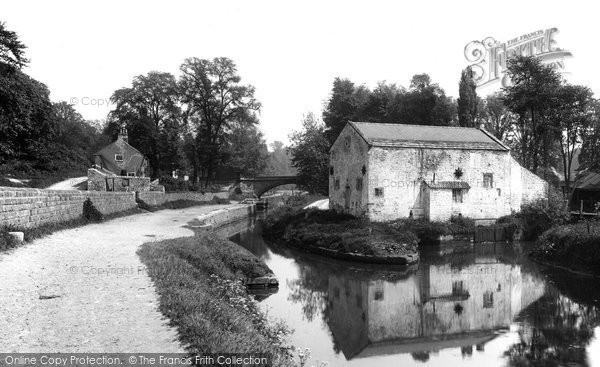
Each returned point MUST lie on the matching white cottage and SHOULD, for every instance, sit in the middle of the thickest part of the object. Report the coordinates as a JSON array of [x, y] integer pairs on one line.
[[391, 171]]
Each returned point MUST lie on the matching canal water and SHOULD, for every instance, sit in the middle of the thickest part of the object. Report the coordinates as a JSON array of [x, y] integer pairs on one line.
[[462, 305]]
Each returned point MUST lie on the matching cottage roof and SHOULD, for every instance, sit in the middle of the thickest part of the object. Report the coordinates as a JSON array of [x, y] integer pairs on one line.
[[425, 136], [132, 158], [588, 181], [448, 185]]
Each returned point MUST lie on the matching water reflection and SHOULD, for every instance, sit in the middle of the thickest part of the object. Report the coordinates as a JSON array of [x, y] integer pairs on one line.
[[459, 297]]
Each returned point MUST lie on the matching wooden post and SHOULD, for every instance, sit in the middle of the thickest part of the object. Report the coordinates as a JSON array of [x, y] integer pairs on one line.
[[581, 208]]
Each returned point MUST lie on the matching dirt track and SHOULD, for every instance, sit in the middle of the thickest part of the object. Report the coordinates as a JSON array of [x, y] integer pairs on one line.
[[85, 289]]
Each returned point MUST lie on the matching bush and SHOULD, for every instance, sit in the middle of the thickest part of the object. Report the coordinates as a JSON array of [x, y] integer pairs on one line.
[[6, 241], [572, 245], [539, 216]]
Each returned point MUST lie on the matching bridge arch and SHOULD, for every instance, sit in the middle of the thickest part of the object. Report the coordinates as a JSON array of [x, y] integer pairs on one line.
[[260, 185]]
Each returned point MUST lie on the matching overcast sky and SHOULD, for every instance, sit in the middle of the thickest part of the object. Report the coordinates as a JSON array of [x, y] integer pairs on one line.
[[290, 51]]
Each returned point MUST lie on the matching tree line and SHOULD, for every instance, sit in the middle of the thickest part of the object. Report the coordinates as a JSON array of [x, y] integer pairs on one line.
[[200, 122], [540, 116]]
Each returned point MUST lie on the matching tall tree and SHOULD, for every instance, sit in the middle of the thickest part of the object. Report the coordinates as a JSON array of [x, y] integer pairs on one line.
[[279, 162], [497, 119], [530, 97], [590, 147], [12, 51], [246, 152], [467, 102], [215, 100], [150, 111], [426, 103], [571, 115], [310, 155], [341, 107]]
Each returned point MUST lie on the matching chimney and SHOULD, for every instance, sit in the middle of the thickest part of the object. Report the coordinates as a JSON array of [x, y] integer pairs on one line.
[[123, 134]]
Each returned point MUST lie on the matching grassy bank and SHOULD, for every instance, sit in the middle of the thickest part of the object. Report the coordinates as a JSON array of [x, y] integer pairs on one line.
[[198, 280], [574, 246], [319, 229]]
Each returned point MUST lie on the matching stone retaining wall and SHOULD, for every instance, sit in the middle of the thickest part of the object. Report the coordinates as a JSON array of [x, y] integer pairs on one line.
[[154, 198], [224, 216], [28, 208]]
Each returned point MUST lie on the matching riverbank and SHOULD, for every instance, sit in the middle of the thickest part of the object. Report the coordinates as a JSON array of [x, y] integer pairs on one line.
[[341, 236], [572, 247], [200, 285]]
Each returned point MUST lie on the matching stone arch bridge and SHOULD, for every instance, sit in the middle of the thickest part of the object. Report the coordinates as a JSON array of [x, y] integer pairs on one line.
[[262, 184]]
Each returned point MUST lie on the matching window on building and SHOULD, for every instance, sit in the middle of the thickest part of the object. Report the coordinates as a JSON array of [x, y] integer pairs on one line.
[[336, 184], [125, 182], [457, 195], [379, 191], [118, 157], [488, 180], [378, 292], [130, 174], [359, 184], [488, 300], [499, 192], [458, 288]]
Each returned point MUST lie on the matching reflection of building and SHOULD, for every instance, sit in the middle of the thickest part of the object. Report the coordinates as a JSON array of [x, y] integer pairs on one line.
[[438, 307]]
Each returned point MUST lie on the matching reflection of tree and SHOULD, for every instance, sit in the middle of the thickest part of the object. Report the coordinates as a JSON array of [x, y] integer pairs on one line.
[[310, 289], [555, 331]]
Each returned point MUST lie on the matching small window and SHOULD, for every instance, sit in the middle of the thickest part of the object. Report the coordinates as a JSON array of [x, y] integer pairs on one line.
[[458, 288], [359, 184], [488, 300], [336, 184], [488, 180], [379, 191], [118, 157], [125, 182], [457, 195], [331, 170], [130, 174], [499, 192]]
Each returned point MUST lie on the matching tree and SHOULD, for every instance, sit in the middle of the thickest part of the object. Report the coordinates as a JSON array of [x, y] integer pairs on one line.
[[467, 102], [571, 115], [590, 147], [215, 101], [530, 97], [12, 51], [497, 119], [425, 103], [310, 155], [246, 152], [150, 111], [343, 106], [279, 162]]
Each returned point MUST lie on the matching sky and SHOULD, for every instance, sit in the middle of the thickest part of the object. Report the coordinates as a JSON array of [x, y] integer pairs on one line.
[[290, 51]]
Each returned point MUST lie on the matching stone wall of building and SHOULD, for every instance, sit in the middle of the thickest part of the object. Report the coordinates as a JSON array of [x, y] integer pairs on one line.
[[98, 181], [399, 176], [348, 173], [527, 186], [28, 208]]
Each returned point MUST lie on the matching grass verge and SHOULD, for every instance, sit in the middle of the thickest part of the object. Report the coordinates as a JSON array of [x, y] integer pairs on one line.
[[198, 280]]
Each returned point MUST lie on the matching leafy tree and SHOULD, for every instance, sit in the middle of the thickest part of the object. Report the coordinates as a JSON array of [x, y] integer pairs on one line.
[[590, 147], [531, 97], [343, 106], [467, 102], [215, 101], [12, 51], [310, 155], [246, 153], [279, 161], [497, 119], [571, 116], [150, 111], [426, 103]]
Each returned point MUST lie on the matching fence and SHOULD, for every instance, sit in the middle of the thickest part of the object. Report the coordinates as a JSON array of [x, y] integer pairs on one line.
[[495, 233]]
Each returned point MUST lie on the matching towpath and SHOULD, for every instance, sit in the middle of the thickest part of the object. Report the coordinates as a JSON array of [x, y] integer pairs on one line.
[[86, 290]]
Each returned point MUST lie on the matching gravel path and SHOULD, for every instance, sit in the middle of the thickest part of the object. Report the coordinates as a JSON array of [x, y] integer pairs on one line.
[[85, 289]]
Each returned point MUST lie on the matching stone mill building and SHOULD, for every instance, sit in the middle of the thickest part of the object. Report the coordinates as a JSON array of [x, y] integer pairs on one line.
[[391, 171]]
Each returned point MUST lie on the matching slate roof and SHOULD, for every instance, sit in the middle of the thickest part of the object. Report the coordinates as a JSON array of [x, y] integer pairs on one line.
[[425, 136], [132, 158], [448, 185]]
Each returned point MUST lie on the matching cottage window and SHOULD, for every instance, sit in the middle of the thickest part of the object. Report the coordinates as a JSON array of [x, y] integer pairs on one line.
[[118, 157], [457, 195], [379, 191], [488, 180], [359, 184], [125, 182], [488, 300], [130, 174], [336, 184]]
